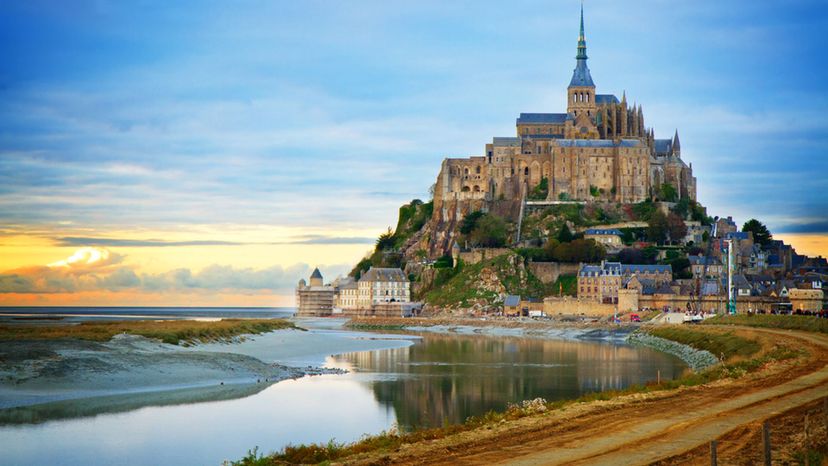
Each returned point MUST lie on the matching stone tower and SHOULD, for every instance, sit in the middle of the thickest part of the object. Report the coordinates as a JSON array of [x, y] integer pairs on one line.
[[316, 278], [581, 90]]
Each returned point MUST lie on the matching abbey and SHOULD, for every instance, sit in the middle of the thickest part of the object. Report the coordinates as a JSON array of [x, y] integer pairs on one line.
[[599, 150]]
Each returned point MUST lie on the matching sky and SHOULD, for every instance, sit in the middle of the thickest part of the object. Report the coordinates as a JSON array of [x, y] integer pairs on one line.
[[213, 153]]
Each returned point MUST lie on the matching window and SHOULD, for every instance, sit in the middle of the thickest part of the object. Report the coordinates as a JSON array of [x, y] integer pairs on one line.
[[526, 171]]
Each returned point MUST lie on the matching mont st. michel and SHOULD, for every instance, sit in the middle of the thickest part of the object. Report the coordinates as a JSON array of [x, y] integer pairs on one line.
[[584, 212], [196, 269]]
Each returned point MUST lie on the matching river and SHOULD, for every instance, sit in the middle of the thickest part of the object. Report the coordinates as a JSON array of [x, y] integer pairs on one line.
[[406, 381]]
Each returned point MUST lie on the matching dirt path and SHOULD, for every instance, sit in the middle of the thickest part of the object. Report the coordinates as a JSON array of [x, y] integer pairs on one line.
[[639, 430]]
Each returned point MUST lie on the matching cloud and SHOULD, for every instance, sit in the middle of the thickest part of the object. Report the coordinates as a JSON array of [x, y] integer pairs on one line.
[[120, 242], [71, 241], [820, 226], [98, 269]]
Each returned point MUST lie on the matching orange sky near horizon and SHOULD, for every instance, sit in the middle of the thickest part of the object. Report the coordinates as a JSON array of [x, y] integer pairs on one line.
[[30, 258]]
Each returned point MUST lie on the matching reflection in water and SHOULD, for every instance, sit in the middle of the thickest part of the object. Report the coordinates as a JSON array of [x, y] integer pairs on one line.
[[449, 378], [441, 378], [87, 407]]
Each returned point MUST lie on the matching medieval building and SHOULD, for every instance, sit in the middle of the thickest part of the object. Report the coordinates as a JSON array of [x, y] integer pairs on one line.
[[599, 150]]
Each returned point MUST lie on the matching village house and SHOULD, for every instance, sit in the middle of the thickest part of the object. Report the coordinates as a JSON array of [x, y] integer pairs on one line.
[[698, 264], [611, 238], [601, 282], [382, 285]]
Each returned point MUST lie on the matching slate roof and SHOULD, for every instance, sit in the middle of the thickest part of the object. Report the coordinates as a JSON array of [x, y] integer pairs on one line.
[[541, 118], [598, 143], [581, 76], [601, 99], [505, 142], [379, 274], [511, 300], [599, 231], [663, 146], [699, 260], [737, 235], [316, 273], [642, 268]]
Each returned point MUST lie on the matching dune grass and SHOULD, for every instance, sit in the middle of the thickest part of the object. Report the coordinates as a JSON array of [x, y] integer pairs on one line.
[[785, 322], [168, 331]]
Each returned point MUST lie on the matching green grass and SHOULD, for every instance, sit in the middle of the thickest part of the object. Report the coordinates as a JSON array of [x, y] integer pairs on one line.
[[168, 331], [792, 322], [720, 344]]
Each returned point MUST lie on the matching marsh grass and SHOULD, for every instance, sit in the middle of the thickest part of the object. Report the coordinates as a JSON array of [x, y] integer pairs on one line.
[[785, 322], [169, 331]]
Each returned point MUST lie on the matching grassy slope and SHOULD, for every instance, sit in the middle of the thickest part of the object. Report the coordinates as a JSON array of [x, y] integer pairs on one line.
[[806, 323], [168, 331], [460, 289], [720, 344]]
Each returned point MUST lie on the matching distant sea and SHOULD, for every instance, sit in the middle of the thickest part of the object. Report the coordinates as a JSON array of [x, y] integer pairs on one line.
[[82, 314]]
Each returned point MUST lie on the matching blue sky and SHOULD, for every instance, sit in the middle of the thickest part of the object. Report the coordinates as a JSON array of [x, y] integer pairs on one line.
[[323, 117]]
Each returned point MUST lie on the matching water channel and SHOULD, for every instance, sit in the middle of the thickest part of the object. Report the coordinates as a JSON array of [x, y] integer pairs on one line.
[[425, 380]]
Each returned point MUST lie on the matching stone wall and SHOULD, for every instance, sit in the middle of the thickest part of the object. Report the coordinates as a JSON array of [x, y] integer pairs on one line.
[[548, 272], [480, 254], [568, 306]]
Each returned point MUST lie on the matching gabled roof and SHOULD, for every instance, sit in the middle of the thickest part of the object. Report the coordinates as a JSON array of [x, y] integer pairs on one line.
[[511, 300], [663, 146], [699, 260], [378, 274], [505, 142], [602, 99], [541, 118]]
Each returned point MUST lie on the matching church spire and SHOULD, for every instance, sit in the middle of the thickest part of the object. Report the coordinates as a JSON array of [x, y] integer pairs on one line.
[[582, 55], [581, 76]]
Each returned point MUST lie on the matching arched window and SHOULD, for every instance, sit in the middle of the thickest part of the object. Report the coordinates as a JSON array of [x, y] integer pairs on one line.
[[477, 169], [526, 171], [466, 170], [476, 188], [587, 96], [465, 189]]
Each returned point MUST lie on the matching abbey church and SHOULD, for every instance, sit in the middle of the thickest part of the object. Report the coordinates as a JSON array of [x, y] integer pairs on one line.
[[599, 150]]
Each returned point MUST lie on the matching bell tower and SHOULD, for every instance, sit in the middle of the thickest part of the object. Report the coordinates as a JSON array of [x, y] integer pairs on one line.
[[581, 90]]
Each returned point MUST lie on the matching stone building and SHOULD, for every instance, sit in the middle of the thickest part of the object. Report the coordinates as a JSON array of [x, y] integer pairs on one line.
[[316, 298], [382, 285], [601, 283], [599, 149], [610, 238]]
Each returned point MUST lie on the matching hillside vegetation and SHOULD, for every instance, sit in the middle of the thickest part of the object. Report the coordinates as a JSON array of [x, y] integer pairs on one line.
[[483, 284]]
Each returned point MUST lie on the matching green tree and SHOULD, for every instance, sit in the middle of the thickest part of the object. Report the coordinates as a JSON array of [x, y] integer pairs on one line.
[[644, 210], [385, 241], [489, 231], [761, 234], [657, 227], [676, 228], [579, 250], [540, 191], [564, 235], [668, 193], [470, 221]]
